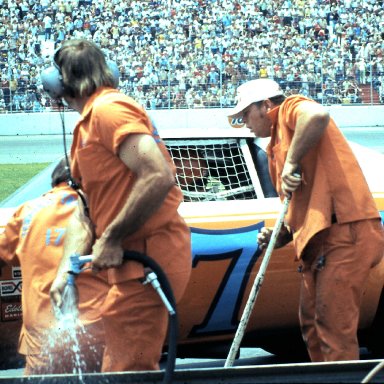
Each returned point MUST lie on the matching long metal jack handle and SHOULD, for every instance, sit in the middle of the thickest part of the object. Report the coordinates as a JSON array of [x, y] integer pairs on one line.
[[256, 287]]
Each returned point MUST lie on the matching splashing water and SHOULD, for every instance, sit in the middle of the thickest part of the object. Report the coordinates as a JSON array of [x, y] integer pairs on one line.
[[67, 345], [69, 308]]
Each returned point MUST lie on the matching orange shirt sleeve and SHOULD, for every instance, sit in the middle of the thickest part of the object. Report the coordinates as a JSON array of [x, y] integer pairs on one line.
[[291, 111], [118, 119], [9, 239]]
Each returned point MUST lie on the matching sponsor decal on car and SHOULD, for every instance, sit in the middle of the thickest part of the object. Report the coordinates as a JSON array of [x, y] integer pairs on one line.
[[10, 288], [11, 311], [16, 273], [236, 122]]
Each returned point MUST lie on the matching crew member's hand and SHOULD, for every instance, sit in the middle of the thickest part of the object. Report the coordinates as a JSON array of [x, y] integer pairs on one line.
[[264, 237], [57, 290], [106, 254], [290, 179]]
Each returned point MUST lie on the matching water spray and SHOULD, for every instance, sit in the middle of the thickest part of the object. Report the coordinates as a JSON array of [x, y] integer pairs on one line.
[[156, 277], [69, 307]]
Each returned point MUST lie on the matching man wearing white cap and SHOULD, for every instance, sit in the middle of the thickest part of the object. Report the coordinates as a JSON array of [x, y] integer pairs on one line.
[[332, 219]]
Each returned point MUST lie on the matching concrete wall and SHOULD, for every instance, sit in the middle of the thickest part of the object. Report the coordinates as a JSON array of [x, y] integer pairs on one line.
[[206, 119]]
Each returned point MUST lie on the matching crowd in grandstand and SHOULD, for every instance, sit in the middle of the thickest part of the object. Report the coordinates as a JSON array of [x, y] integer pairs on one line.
[[194, 53]]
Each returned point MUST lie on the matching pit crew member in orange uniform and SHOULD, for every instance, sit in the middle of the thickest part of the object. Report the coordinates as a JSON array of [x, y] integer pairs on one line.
[[332, 218], [33, 239], [129, 178]]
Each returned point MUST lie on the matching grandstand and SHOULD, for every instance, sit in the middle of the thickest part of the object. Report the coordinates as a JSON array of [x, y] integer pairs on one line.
[[194, 53]]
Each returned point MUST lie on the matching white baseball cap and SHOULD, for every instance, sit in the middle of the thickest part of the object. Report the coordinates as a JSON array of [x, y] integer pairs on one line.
[[254, 91]]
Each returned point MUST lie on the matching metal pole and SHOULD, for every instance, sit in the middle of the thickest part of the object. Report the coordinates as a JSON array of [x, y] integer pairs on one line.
[[322, 80], [371, 75], [9, 80], [221, 80], [169, 87], [256, 287]]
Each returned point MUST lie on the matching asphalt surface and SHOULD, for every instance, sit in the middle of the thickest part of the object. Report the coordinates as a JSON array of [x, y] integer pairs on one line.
[[23, 149]]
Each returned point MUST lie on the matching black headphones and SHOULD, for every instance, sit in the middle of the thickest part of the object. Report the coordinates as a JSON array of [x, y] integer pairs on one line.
[[52, 80]]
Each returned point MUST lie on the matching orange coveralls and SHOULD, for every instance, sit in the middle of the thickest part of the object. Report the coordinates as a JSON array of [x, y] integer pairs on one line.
[[337, 233], [33, 239], [135, 319]]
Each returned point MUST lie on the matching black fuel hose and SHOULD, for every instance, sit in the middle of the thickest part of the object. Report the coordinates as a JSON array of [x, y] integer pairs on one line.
[[173, 320]]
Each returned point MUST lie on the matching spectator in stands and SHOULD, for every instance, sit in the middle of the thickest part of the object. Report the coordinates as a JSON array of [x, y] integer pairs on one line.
[[47, 26], [182, 32]]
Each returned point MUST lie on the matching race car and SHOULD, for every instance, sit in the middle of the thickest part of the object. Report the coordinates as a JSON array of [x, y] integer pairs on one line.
[[228, 198]]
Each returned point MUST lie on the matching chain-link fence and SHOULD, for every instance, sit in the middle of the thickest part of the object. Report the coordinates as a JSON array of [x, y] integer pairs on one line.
[[215, 86]]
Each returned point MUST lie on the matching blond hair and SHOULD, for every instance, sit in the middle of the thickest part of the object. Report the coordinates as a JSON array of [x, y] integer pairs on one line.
[[83, 68]]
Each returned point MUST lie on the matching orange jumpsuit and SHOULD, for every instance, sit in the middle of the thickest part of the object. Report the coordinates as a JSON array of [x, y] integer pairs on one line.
[[337, 234], [33, 239], [135, 319]]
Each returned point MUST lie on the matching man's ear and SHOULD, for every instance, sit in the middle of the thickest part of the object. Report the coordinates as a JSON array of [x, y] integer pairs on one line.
[[268, 104]]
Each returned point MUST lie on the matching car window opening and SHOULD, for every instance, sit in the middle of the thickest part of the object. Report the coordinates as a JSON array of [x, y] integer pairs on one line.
[[211, 170]]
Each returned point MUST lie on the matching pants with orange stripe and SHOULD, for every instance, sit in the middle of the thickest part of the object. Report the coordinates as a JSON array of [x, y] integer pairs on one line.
[[336, 264]]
